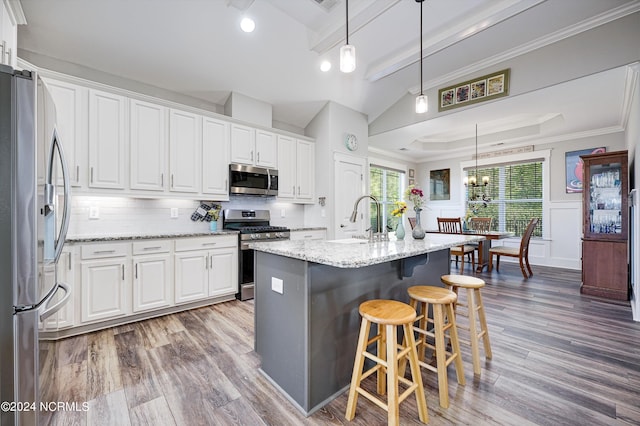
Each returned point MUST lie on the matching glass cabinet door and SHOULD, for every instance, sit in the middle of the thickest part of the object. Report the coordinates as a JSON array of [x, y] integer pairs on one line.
[[605, 199]]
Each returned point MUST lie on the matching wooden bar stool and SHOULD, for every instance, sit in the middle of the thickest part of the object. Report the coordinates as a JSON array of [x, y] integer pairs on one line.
[[387, 314], [443, 302], [475, 312]]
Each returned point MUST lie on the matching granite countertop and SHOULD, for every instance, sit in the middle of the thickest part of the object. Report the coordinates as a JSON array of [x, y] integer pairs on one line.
[[147, 236], [357, 253]]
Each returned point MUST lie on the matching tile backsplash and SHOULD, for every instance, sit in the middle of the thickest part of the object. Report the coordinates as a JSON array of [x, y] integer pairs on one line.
[[120, 215]]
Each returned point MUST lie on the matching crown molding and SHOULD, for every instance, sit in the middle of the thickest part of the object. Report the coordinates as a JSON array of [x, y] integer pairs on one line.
[[580, 27], [631, 82], [14, 7]]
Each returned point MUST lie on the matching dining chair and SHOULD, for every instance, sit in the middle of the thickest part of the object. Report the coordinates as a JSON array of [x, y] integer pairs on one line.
[[481, 225], [453, 225], [522, 252]]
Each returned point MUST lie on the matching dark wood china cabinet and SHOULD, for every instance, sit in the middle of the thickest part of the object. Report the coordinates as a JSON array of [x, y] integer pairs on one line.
[[605, 224]]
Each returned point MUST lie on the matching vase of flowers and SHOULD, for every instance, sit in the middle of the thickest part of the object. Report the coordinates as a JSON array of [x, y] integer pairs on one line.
[[415, 195], [401, 207]]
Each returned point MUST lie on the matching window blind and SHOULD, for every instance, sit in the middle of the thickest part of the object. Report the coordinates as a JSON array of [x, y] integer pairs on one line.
[[516, 196]]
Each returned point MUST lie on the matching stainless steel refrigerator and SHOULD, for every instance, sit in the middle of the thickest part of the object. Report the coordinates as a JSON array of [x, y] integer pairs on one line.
[[31, 238]]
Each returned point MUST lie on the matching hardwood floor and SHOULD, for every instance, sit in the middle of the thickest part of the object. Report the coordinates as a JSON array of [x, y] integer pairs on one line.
[[558, 358]]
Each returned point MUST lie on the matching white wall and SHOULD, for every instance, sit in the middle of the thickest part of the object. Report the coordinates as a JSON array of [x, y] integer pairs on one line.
[[329, 128]]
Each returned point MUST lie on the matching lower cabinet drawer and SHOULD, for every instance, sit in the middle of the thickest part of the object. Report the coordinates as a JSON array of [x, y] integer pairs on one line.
[[186, 244]]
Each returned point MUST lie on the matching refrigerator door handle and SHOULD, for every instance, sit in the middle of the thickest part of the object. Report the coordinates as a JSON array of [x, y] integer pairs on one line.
[[48, 311], [50, 193]]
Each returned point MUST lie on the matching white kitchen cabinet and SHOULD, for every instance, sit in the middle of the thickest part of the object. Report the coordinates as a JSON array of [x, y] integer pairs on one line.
[[253, 147], [243, 142], [8, 36], [185, 151], [107, 140], [71, 120], [205, 267], [215, 158], [312, 234], [148, 145], [152, 275], [106, 281], [296, 159], [266, 149]]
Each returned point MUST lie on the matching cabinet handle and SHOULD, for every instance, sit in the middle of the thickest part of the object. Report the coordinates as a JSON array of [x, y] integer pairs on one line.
[[226, 184], [152, 248], [206, 263], [258, 157], [171, 180], [251, 155], [308, 236], [69, 261], [91, 174], [293, 187], [123, 272], [162, 179], [211, 260], [103, 251], [136, 270], [298, 190], [77, 173], [3, 49], [209, 244]]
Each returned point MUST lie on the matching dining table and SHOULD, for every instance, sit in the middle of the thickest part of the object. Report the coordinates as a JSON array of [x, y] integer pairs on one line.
[[483, 245]]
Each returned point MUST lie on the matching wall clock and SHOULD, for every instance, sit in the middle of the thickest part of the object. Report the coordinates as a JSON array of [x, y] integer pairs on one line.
[[351, 141]]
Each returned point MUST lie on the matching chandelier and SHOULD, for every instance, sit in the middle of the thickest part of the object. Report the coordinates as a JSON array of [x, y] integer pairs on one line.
[[477, 191]]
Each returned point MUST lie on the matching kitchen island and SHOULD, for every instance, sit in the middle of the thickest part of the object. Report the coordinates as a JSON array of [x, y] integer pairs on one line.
[[307, 298]]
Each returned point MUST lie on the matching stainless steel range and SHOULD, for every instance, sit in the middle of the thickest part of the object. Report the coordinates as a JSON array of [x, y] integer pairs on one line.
[[253, 225]]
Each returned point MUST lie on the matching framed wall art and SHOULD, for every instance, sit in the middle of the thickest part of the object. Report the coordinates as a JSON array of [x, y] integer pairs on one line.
[[439, 184], [575, 168], [479, 89]]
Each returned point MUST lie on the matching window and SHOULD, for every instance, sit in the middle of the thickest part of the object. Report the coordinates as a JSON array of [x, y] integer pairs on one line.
[[387, 185], [516, 196]]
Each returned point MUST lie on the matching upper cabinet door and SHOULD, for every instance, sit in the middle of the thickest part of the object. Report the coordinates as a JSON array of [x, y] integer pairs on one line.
[[266, 149], [185, 150], [107, 143], [305, 170], [215, 157], [287, 169], [243, 140], [70, 102], [148, 145]]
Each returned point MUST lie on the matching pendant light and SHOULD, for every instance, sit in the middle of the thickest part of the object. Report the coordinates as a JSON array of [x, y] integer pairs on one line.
[[347, 52], [422, 105], [472, 182]]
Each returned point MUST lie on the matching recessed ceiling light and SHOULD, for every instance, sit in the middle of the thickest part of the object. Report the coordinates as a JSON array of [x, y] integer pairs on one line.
[[325, 66], [247, 25]]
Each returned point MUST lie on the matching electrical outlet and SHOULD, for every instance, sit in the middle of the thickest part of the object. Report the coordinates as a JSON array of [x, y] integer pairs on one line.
[[277, 285], [174, 213], [283, 212], [94, 212]]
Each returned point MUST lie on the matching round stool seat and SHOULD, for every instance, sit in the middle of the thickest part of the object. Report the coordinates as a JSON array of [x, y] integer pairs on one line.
[[387, 312], [432, 295], [463, 281]]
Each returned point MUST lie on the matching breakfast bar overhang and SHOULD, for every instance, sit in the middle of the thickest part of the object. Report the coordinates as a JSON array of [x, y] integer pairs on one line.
[[307, 298]]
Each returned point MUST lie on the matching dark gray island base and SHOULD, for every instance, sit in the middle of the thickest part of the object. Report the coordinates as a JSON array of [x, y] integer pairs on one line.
[[307, 335]]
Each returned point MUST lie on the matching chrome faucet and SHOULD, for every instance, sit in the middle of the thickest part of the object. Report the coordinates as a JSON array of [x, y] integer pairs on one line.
[[379, 233]]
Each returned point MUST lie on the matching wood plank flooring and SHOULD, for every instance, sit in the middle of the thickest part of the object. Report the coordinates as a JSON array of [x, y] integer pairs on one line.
[[559, 358]]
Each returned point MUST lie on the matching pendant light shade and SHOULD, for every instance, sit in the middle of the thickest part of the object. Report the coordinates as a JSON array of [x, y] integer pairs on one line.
[[347, 52], [422, 103], [347, 58]]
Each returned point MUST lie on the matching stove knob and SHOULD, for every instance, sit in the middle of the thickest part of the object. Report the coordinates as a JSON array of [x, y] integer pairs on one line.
[[255, 236], [279, 235], [267, 235]]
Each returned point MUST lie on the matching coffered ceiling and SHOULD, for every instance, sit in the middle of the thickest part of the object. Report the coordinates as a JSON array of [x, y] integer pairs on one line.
[[196, 48]]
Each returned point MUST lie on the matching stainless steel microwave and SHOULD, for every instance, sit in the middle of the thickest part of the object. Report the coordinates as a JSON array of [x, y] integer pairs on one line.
[[251, 180]]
